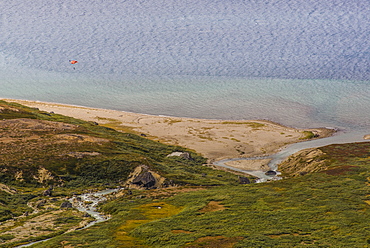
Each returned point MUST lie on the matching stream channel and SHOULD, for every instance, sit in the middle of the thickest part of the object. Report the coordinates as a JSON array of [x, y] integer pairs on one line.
[[87, 203], [340, 137]]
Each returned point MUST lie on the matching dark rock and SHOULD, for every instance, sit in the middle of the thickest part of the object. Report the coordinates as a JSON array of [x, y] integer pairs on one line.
[[48, 192], [168, 183], [270, 173], [186, 155], [244, 180], [146, 180], [86, 215], [66, 204], [143, 135]]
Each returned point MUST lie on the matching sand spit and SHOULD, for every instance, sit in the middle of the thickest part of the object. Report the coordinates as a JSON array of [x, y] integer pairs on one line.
[[214, 139]]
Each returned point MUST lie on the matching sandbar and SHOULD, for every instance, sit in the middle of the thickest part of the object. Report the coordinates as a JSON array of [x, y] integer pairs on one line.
[[214, 139]]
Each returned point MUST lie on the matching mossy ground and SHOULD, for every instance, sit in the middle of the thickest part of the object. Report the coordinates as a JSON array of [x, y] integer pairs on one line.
[[324, 209]]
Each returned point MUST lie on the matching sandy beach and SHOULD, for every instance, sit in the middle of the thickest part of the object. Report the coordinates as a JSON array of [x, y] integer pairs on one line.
[[214, 139]]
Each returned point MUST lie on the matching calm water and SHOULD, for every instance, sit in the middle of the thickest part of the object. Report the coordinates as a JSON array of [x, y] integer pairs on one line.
[[300, 63]]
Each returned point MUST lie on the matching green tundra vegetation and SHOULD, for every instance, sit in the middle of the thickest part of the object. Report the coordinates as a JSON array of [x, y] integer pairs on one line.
[[207, 208]]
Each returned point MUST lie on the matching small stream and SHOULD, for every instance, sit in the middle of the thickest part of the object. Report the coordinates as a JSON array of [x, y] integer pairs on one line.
[[86, 203], [339, 138]]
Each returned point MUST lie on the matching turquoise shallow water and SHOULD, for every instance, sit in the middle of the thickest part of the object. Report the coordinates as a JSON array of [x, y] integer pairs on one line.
[[302, 64], [294, 102]]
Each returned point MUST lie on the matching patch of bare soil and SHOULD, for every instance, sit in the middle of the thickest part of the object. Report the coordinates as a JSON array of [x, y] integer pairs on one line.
[[212, 206]]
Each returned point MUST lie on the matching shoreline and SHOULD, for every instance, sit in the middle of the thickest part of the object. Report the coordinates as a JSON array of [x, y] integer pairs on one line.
[[214, 139]]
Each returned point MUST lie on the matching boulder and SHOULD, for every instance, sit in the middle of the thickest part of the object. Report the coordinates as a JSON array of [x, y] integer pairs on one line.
[[143, 178], [146, 180], [185, 155], [244, 180], [270, 173]]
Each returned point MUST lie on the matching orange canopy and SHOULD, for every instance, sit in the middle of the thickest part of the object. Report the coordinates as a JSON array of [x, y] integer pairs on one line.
[[73, 62]]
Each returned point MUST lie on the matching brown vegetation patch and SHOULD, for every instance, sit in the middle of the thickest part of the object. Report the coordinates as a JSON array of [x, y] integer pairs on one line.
[[339, 170], [305, 161], [35, 125], [79, 138], [66, 244], [274, 236], [82, 154], [180, 231], [214, 242], [212, 206]]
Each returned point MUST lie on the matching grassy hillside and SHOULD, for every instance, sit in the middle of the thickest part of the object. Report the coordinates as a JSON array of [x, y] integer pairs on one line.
[[325, 205], [41, 150], [322, 209]]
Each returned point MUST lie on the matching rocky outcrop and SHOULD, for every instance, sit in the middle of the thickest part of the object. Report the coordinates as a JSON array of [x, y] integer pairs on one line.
[[303, 162], [143, 178], [185, 155], [146, 180], [43, 175]]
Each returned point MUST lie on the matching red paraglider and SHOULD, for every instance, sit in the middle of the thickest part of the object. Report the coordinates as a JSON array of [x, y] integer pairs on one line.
[[72, 62]]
